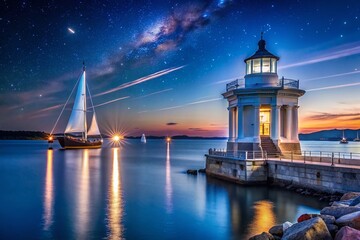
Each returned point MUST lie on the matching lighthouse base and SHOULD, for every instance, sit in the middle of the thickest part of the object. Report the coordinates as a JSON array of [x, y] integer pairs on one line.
[[242, 146]]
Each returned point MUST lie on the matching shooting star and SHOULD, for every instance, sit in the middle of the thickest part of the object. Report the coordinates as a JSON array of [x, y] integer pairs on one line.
[[141, 80], [71, 30], [115, 100]]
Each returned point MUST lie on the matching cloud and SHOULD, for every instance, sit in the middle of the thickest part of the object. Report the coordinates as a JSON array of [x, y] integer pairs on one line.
[[334, 87], [338, 52], [171, 123], [140, 80], [198, 129], [333, 116]]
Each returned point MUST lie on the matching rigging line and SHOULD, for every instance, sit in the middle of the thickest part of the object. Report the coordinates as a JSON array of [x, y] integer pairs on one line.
[[92, 104], [57, 120]]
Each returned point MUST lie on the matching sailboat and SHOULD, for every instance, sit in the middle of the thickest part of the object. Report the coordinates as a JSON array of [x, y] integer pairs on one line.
[[76, 134], [357, 139], [343, 140], [143, 138]]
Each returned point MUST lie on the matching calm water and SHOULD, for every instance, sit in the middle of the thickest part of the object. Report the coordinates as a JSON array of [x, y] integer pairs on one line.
[[135, 191]]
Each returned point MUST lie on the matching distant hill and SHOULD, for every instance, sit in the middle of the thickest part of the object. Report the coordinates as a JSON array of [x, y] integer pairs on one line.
[[23, 135], [329, 135]]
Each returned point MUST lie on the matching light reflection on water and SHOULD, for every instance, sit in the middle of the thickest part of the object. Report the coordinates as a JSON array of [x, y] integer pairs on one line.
[[48, 192], [115, 207], [264, 218], [168, 187]]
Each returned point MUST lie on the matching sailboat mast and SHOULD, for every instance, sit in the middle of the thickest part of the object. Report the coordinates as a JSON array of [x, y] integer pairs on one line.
[[84, 92]]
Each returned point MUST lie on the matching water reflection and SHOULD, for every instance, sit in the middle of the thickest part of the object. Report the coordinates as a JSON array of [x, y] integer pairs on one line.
[[82, 210], [264, 218], [115, 207], [48, 192], [168, 186]]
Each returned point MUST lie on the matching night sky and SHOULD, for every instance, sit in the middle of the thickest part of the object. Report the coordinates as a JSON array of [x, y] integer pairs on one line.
[[159, 67]]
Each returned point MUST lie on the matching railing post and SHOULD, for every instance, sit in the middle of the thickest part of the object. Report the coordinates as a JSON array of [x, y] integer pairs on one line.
[[304, 156], [253, 156], [332, 159], [320, 156], [350, 156], [310, 157], [246, 155]]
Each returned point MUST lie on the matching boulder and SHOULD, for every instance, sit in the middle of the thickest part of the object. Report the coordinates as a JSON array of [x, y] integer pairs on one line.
[[277, 230], [304, 217], [286, 225], [338, 211], [344, 203], [328, 219], [314, 228], [263, 236], [332, 229], [347, 233], [351, 220], [192, 171], [355, 201], [350, 195]]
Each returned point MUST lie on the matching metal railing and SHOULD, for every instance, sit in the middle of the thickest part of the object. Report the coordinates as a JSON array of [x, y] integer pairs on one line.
[[345, 158], [237, 83], [239, 155], [284, 83], [289, 83]]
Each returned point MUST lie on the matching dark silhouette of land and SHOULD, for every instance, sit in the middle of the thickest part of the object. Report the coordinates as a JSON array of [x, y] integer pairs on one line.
[[325, 135]]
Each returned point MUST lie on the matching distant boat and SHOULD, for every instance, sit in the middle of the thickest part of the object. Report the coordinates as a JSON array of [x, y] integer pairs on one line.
[[357, 139], [343, 140], [143, 138], [76, 134]]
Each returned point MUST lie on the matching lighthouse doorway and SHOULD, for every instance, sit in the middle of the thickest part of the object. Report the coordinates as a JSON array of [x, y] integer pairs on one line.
[[264, 122]]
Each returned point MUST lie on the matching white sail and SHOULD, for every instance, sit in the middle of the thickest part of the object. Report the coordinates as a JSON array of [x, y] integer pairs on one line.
[[143, 139], [77, 120], [94, 129]]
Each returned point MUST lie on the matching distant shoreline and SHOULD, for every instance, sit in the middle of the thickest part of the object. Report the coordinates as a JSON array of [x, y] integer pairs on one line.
[[324, 135]]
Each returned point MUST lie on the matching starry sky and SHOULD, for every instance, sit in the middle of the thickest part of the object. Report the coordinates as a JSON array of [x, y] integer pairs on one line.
[[159, 67]]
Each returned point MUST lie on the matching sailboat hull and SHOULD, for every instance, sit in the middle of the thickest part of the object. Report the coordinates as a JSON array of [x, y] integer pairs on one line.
[[75, 143]]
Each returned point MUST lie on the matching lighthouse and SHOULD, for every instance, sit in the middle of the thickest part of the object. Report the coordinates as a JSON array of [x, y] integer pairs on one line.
[[263, 108]]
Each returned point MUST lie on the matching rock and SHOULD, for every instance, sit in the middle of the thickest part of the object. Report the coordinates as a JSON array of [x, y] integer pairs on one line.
[[286, 225], [347, 233], [202, 170], [351, 220], [304, 217], [299, 190], [314, 228], [277, 230], [341, 203], [338, 211], [355, 202], [332, 229], [328, 219], [263, 236], [350, 195], [192, 171]]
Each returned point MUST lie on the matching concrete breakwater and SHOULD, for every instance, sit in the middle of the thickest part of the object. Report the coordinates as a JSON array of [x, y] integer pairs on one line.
[[319, 176], [340, 221]]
